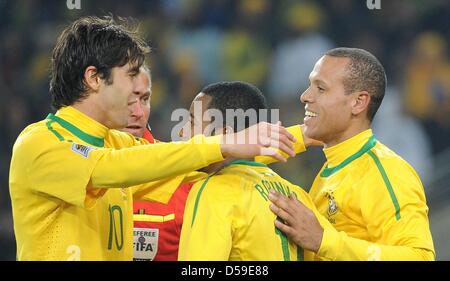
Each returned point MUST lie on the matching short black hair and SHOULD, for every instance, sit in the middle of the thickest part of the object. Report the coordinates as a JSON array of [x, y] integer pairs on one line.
[[236, 95], [365, 73], [92, 41]]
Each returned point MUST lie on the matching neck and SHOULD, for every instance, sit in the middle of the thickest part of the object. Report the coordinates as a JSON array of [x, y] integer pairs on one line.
[[347, 134], [215, 167], [90, 108]]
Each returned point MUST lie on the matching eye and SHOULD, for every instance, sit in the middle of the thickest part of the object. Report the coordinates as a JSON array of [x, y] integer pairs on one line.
[[133, 72], [321, 90]]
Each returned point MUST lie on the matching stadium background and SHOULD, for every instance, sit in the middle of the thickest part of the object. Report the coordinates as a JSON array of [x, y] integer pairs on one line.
[[272, 44]]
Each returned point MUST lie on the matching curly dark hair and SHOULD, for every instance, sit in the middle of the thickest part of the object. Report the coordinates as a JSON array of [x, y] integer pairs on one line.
[[92, 41], [236, 95]]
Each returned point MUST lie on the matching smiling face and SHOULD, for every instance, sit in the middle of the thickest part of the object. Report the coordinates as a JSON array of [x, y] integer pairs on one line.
[[328, 108], [139, 105]]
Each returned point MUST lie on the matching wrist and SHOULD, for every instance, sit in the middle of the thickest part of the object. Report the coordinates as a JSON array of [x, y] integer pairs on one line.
[[318, 242], [225, 149]]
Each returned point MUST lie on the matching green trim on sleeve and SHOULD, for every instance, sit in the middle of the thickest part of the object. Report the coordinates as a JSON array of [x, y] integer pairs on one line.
[[247, 162], [387, 183], [366, 147], [95, 141], [198, 199]]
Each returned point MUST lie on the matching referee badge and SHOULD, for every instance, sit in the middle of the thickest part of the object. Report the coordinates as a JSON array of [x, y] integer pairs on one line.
[[145, 243]]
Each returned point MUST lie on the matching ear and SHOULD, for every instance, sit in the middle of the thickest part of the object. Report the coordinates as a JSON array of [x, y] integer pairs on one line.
[[91, 78], [361, 102]]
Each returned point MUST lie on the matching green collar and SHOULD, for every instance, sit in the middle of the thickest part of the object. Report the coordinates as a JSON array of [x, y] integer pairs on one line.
[[366, 147], [247, 162], [95, 141]]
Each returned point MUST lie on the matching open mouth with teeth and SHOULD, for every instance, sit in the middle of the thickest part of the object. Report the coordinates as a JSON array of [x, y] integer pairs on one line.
[[310, 114]]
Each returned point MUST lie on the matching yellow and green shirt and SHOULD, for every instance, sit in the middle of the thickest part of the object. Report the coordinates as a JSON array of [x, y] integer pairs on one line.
[[227, 216], [375, 201], [72, 183]]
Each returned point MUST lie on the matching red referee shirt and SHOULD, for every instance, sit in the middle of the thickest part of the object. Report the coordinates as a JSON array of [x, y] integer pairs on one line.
[[157, 226]]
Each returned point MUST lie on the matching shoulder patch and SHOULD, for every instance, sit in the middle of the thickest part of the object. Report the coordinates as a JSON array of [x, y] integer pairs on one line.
[[83, 150]]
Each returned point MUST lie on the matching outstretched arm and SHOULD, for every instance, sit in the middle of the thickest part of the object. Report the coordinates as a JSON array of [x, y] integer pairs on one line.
[[141, 164]]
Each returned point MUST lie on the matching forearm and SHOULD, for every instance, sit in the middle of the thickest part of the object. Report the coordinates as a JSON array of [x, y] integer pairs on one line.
[[141, 164], [337, 245]]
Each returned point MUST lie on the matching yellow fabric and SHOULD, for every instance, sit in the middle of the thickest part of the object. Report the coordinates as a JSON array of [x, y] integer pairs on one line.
[[376, 217], [153, 218], [59, 211], [299, 145], [232, 216]]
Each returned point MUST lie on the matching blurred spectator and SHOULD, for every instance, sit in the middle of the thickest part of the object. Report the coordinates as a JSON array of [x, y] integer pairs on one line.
[[244, 58], [245, 54], [203, 45], [427, 87], [295, 56], [403, 134]]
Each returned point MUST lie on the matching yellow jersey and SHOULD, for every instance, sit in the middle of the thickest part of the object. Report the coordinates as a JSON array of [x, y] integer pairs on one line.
[[227, 216], [72, 182], [375, 201]]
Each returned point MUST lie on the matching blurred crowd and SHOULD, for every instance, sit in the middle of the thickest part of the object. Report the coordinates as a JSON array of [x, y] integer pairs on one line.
[[272, 44]]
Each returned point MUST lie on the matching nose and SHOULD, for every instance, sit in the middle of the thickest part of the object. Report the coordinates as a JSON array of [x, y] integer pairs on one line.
[[306, 96], [137, 110]]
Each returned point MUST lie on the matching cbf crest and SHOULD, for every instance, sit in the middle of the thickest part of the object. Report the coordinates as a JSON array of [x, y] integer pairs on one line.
[[332, 206]]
